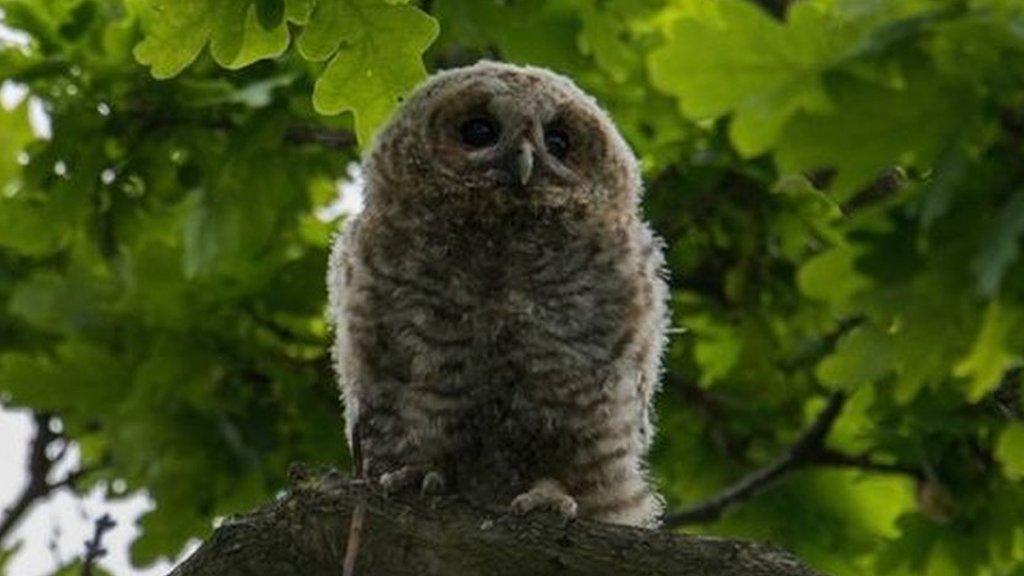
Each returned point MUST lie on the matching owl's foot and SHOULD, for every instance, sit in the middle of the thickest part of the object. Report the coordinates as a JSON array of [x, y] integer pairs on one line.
[[429, 480], [546, 494]]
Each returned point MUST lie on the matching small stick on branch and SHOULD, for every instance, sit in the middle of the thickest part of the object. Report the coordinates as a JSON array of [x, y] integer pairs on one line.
[[800, 453], [94, 549]]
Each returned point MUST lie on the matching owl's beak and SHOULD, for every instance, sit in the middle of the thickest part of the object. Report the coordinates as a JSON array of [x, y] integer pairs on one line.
[[524, 162]]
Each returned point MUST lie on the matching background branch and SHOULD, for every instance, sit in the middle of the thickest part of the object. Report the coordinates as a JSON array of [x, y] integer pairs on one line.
[[756, 482], [808, 450], [334, 139], [40, 464]]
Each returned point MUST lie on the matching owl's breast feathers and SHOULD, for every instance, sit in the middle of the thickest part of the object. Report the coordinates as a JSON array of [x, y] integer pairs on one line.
[[527, 346]]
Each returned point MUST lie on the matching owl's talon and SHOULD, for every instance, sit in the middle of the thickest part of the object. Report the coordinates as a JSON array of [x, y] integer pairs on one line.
[[396, 481], [429, 480], [546, 495], [432, 484]]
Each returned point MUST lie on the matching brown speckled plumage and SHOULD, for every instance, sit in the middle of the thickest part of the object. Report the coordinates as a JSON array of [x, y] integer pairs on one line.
[[496, 338]]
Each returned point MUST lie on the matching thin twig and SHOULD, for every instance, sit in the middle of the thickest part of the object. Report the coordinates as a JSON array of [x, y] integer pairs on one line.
[[94, 549], [334, 139], [807, 446]]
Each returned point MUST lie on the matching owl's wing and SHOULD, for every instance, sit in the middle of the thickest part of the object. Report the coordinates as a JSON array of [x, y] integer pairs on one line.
[[339, 270], [655, 324], [339, 280]]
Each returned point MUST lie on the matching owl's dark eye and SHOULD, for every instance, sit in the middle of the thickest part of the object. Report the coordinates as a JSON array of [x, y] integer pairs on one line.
[[556, 140], [479, 131]]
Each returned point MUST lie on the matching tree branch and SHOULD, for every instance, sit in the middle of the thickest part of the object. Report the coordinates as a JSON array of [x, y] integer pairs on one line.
[[305, 533], [39, 467], [800, 453]]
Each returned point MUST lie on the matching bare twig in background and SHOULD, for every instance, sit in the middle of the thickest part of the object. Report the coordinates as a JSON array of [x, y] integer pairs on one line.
[[40, 464], [1008, 395], [887, 185], [94, 549], [335, 139]]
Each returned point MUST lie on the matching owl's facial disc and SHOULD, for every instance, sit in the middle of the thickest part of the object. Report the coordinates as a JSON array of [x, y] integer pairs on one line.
[[496, 134], [510, 145]]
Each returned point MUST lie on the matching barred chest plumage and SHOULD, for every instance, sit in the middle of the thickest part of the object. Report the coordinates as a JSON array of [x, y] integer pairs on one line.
[[510, 335]]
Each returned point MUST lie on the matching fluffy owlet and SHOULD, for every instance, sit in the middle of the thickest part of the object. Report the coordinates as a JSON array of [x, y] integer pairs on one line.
[[498, 305]]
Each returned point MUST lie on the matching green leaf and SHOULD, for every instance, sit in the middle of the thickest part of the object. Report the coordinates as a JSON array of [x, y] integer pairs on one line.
[[164, 533], [228, 229], [26, 220], [270, 13], [862, 356], [377, 50], [49, 301], [996, 350], [732, 57], [604, 35], [177, 30], [299, 11], [17, 131], [1002, 246], [873, 127], [82, 379], [717, 350], [1010, 450], [832, 277]]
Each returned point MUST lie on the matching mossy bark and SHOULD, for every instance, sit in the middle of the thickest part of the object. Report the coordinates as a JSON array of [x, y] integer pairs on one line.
[[306, 532]]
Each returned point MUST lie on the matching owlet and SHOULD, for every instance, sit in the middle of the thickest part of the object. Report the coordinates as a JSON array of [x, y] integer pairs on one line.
[[499, 306]]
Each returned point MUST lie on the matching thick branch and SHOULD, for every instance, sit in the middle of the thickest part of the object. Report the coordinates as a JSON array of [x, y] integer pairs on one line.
[[801, 452], [306, 533]]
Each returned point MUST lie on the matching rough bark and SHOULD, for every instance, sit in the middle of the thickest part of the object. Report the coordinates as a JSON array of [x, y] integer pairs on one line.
[[305, 532]]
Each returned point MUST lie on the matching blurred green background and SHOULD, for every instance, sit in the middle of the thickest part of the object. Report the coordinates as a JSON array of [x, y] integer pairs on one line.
[[840, 184]]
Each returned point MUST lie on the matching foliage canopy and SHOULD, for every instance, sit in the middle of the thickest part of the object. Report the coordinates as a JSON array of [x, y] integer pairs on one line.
[[841, 190]]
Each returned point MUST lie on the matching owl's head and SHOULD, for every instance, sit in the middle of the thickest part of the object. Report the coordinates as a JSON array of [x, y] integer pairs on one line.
[[505, 134]]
